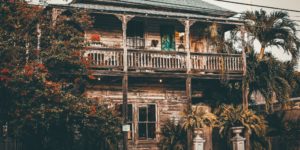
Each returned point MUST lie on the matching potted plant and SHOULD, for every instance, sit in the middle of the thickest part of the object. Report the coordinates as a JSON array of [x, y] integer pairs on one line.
[[195, 119], [95, 39], [235, 118]]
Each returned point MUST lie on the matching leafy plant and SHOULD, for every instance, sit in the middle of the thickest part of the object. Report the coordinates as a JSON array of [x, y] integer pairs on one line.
[[173, 136], [234, 116], [198, 117]]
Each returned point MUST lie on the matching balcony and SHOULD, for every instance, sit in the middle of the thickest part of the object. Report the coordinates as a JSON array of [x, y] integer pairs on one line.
[[147, 61]]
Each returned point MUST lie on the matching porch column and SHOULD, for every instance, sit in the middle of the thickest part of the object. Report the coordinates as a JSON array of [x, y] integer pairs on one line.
[[187, 24], [124, 19], [245, 85], [188, 86]]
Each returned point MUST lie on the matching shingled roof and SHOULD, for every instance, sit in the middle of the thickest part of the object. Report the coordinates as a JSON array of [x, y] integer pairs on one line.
[[192, 6]]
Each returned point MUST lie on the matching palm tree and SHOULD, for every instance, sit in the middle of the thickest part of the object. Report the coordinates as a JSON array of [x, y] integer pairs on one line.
[[269, 77], [274, 29]]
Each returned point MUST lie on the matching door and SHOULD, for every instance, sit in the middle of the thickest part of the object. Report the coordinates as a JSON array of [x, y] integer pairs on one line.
[[167, 34]]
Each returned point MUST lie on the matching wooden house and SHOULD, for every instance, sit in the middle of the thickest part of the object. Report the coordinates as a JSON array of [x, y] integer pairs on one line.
[[157, 57]]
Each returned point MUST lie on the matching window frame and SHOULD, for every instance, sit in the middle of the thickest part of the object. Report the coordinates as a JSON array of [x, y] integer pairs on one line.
[[147, 122]]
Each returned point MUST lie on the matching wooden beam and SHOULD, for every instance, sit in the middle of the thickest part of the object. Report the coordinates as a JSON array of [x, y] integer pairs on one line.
[[188, 86], [245, 84], [125, 109], [187, 24], [124, 19]]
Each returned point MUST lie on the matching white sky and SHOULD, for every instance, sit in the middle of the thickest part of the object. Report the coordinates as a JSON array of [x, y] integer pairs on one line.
[[288, 4]]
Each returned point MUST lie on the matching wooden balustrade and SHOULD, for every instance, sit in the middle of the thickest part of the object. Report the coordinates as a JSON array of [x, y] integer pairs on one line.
[[216, 62], [156, 60], [105, 58], [165, 61]]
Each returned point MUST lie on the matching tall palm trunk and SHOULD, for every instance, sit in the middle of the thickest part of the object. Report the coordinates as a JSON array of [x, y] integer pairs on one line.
[[262, 52]]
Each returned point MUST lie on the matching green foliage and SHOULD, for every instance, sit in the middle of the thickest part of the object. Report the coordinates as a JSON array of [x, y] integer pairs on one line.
[[270, 75], [173, 136], [43, 108], [231, 116], [285, 126], [197, 117], [274, 29], [235, 116]]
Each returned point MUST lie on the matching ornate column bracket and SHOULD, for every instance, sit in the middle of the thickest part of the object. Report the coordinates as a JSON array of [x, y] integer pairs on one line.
[[124, 19]]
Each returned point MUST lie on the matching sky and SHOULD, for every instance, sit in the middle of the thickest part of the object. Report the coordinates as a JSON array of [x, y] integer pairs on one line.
[[287, 4]]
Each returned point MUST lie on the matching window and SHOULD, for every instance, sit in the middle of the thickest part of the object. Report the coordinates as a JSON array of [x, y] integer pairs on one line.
[[129, 120], [147, 122]]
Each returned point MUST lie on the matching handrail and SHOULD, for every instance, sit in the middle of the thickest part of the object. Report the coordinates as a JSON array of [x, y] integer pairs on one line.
[[165, 60]]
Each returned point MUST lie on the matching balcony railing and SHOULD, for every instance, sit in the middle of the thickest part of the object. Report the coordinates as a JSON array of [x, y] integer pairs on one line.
[[165, 61], [156, 60], [216, 62]]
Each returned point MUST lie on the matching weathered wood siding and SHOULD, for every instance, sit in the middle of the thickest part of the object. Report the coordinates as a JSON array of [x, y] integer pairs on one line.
[[110, 31], [169, 103]]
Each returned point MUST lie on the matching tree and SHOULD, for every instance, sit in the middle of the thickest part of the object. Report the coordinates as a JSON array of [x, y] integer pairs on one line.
[[270, 77], [274, 29], [44, 106]]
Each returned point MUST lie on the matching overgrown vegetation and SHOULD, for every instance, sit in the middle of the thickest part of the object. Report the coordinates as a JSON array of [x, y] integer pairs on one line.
[[42, 106]]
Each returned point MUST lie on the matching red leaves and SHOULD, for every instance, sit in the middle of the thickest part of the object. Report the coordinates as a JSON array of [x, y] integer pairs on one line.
[[29, 70], [95, 37], [4, 71], [91, 77], [93, 110]]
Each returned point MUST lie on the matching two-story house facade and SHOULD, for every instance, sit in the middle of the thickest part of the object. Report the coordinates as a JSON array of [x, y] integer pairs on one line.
[[156, 57]]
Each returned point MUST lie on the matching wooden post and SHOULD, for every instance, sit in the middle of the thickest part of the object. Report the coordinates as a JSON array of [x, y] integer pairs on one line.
[[188, 85], [187, 24], [245, 84], [125, 109], [124, 29], [124, 19]]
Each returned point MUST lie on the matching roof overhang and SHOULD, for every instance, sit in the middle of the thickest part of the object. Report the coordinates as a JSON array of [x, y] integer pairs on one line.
[[154, 13]]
